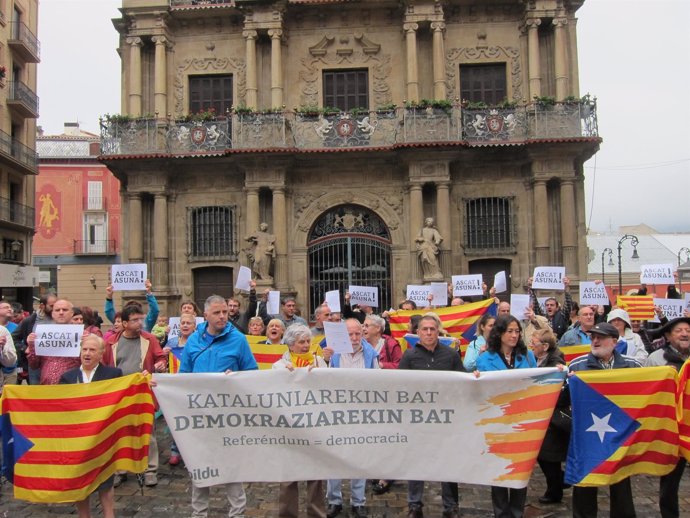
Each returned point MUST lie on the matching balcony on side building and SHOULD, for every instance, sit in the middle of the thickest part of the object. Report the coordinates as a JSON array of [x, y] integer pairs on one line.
[[95, 247], [18, 153], [94, 204], [205, 3], [22, 100], [303, 129], [16, 214], [24, 43]]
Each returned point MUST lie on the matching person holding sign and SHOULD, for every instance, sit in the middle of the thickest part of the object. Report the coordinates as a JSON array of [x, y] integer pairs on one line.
[[240, 319], [52, 367], [558, 317], [151, 316]]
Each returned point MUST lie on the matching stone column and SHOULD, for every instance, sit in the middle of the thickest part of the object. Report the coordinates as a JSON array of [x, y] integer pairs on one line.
[[412, 72], [443, 213], [160, 73], [416, 211], [439, 62], [250, 56], [560, 58], [280, 231], [276, 68], [541, 223], [160, 240], [569, 227], [252, 220], [534, 57], [134, 95], [135, 236]]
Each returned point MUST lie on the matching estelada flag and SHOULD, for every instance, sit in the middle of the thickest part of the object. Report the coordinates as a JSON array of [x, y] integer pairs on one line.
[[639, 307], [60, 442], [174, 359], [684, 410], [458, 321], [624, 423]]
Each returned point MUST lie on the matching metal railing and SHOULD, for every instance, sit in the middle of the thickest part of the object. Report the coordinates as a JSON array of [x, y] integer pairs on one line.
[[18, 151], [21, 92], [179, 3], [96, 247], [94, 203], [21, 32], [13, 212], [255, 130]]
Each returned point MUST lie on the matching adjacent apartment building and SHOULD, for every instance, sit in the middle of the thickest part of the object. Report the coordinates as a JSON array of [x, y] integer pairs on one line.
[[19, 56], [383, 143]]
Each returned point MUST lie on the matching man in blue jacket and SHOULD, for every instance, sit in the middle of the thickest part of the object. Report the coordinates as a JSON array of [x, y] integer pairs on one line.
[[217, 346]]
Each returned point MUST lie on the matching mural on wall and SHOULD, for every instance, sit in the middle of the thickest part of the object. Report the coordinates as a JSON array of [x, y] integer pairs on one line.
[[49, 208]]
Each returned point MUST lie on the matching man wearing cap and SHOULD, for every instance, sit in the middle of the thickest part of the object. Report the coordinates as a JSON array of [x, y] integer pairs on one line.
[[603, 356], [675, 352]]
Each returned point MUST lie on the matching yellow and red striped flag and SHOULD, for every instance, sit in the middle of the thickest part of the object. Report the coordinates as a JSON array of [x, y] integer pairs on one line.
[[624, 423], [459, 321], [267, 354], [570, 352], [60, 442], [684, 410], [639, 307]]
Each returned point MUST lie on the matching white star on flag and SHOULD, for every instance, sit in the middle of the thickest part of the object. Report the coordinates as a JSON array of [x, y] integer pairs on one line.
[[601, 426]]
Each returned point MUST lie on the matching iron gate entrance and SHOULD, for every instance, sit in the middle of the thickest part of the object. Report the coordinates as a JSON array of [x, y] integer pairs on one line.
[[349, 245]]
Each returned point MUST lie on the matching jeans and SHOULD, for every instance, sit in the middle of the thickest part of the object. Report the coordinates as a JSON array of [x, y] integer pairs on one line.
[[449, 494], [334, 492]]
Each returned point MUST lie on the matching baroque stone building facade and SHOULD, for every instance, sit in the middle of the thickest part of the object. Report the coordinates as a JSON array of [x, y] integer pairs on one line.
[[343, 125]]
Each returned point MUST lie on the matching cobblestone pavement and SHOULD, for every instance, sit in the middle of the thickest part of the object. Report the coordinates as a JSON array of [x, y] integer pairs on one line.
[[171, 498]]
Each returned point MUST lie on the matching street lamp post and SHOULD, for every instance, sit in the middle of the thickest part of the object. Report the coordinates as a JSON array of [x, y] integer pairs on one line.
[[603, 273], [634, 242], [685, 250]]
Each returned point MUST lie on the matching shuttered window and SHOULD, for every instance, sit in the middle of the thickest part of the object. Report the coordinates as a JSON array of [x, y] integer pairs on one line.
[[483, 83], [206, 92], [346, 89]]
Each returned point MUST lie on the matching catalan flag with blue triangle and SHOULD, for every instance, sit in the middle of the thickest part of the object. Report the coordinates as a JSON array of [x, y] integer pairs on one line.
[[624, 423]]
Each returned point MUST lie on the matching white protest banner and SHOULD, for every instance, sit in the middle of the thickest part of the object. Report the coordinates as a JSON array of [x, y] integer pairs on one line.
[[672, 308], [467, 285], [656, 274], [62, 340], [593, 294], [128, 276], [244, 277], [518, 305], [500, 283], [337, 337], [174, 326], [548, 278], [273, 304], [366, 295], [439, 290], [354, 423], [419, 294], [333, 301]]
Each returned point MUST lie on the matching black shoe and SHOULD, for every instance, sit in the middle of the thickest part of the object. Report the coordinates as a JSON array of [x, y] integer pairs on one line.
[[549, 500], [415, 512], [381, 487], [359, 511], [453, 513], [333, 510]]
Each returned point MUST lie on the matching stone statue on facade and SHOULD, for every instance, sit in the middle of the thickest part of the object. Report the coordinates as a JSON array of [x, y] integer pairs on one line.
[[428, 251], [263, 252]]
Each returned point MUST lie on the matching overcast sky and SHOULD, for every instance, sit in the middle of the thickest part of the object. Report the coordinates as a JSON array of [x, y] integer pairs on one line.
[[634, 56]]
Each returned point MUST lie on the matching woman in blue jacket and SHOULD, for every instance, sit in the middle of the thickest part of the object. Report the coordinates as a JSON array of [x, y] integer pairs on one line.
[[506, 350]]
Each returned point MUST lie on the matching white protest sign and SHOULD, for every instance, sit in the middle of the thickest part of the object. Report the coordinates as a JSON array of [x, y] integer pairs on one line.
[[467, 285], [333, 301], [593, 294], [128, 276], [548, 278], [656, 274], [364, 295], [62, 340], [419, 294], [672, 308], [500, 283], [244, 276], [518, 305], [439, 290], [687, 301], [273, 304], [337, 337], [174, 326]]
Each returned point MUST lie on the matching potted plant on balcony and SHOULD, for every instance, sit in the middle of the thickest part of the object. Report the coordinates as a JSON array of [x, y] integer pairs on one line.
[[545, 102]]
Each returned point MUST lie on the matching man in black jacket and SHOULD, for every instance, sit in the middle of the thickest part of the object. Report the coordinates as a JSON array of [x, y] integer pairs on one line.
[[43, 315], [558, 316]]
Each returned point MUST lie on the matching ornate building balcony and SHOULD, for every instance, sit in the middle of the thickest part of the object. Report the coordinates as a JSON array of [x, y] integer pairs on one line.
[[24, 43], [194, 3], [17, 153], [23, 100], [16, 213], [95, 247], [375, 129]]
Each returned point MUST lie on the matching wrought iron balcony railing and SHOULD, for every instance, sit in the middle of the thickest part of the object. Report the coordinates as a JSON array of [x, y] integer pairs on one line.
[[94, 203], [13, 212], [123, 136], [23, 35], [24, 98], [18, 151], [95, 247]]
